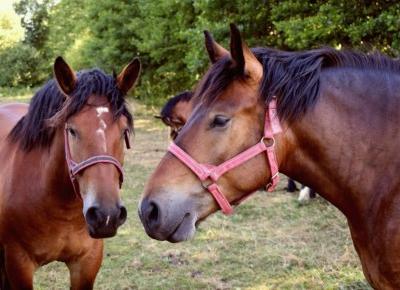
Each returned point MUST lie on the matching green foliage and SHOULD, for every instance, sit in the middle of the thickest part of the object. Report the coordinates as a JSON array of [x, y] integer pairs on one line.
[[9, 30], [35, 15], [20, 64], [358, 24], [167, 35]]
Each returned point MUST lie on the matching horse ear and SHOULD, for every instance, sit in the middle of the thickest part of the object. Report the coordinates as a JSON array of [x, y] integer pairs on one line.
[[215, 51], [243, 58], [128, 76], [64, 75]]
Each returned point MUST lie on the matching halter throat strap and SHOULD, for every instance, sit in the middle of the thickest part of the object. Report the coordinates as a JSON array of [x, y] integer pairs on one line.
[[211, 173], [74, 168]]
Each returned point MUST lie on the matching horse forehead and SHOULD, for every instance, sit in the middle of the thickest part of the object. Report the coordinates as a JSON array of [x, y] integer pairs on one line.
[[238, 93], [95, 116]]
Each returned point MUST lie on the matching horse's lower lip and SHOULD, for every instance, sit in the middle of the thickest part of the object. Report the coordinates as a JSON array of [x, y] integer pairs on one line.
[[170, 237], [175, 236], [102, 233]]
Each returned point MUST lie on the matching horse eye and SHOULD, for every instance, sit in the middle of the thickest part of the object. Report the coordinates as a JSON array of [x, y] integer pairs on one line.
[[220, 121], [72, 132]]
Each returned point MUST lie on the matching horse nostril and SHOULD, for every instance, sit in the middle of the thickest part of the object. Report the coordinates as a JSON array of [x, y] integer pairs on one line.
[[122, 215], [150, 214], [92, 215], [153, 213]]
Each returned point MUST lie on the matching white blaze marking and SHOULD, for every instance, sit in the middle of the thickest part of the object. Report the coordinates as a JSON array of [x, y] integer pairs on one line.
[[102, 126], [101, 110], [89, 199], [102, 136], [107, 220]]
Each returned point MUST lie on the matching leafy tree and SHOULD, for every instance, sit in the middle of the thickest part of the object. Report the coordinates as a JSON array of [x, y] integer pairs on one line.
[[10, 32], [168, 34], [362, 24], [17, 66], [68, 32], [35, 15]]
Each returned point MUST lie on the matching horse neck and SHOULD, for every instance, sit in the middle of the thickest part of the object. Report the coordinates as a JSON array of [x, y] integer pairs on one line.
[[53, 176], [344, 147]]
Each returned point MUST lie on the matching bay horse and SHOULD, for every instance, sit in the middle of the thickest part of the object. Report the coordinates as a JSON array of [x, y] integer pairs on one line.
[[176, 111], [61, 171], [327, 118]]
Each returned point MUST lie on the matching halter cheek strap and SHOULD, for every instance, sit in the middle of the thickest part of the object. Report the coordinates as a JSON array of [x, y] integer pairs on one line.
[[75, 168], [211, 172]]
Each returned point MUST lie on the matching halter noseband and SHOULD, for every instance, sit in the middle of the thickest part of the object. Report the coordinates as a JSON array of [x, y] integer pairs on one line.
[[211, 172], [74, 168]]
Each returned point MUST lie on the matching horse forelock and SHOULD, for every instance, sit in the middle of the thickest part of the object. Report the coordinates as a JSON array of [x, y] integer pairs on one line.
[[49, 107]]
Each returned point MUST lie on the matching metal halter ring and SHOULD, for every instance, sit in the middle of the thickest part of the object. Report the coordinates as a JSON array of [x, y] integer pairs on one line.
[[270, 143]]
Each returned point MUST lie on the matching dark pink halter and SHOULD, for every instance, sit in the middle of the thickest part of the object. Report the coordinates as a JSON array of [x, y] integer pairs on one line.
[[213, 173], [74, 168]]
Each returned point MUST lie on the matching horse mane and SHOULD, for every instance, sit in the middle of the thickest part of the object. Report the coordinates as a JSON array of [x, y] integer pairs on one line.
[[168, 108], [50, 104], [293, 77]]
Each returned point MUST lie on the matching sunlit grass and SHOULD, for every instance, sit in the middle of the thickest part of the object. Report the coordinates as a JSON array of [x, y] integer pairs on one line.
[[22, 94], [271, 242]]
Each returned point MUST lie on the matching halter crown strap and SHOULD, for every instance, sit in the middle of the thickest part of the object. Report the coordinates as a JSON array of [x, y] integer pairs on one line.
[[272, 126], [74, 168], [212, 172]]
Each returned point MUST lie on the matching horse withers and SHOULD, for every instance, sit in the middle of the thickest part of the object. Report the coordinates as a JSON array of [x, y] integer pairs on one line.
[[61, 173], [339, 133]]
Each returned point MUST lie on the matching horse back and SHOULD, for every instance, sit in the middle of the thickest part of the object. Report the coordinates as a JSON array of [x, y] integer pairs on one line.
[[10, 114]]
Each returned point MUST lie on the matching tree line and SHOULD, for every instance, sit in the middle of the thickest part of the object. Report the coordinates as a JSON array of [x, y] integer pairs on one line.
[[167, 35]]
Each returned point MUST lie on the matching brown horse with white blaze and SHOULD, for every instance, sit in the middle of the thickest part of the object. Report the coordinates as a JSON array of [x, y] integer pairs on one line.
[[339, 113], [61, 172]]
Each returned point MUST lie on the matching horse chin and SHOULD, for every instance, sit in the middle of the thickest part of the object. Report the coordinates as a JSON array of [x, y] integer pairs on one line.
[[185, 230], [102, 233]]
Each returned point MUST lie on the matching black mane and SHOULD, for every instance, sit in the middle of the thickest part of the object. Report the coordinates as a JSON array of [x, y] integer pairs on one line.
[[168, 108], [33, 131], [293, 77]]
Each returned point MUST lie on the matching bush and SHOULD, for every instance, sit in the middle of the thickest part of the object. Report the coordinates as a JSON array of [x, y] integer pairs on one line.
[[21, 65]]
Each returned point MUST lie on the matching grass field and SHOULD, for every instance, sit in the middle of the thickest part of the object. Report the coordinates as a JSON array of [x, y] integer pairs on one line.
[[271, 242]]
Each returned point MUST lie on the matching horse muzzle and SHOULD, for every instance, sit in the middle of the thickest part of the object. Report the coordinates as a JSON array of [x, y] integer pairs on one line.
[[103, 222], [164, 223]]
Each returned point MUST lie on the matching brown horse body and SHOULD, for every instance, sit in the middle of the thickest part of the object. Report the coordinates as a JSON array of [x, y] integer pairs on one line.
[[42, 218], [340, 116]]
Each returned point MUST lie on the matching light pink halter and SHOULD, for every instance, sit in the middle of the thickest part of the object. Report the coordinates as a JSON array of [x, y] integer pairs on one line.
[[213, 173], [74, 168]]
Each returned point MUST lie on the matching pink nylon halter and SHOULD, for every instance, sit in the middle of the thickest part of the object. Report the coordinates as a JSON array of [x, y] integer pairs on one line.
[[74, 168], [207, 171]]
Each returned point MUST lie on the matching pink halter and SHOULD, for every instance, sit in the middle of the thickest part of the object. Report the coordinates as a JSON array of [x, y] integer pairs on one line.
[[74, 168], [207, 171]]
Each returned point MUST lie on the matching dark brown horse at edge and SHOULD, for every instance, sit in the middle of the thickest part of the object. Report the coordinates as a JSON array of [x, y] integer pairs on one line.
[[339, 111], [46, 215]]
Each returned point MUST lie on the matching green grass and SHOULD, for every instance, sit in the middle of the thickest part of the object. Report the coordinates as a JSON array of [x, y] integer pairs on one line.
[[22, 94], [271, 242]]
